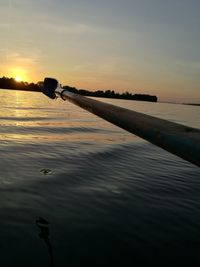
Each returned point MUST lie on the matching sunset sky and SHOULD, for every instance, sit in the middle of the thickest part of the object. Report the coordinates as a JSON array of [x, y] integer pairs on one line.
[[140, 46]]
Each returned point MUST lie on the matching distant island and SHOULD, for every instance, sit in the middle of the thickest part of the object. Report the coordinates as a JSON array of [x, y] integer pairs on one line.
[[112, 94], [11, 83], [192, 104]]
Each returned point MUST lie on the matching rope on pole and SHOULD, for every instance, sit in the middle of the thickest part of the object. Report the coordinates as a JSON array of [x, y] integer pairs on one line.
[[178, 139]]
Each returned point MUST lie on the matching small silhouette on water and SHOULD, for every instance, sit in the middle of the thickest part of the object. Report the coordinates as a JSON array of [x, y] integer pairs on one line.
[[45, 171], [44, 234]]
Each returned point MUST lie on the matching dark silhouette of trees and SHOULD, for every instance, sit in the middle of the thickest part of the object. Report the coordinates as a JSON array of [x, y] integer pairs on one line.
[[112, 94], [11, 83]]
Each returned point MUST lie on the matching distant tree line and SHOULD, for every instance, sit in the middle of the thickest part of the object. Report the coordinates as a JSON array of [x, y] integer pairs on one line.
[[112, 94], [11, 83]]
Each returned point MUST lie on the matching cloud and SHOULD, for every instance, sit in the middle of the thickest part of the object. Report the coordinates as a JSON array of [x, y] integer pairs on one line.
[[68, 28], [19, 59]]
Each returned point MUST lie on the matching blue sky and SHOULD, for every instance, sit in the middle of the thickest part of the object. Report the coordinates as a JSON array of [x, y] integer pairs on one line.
[[141, 46]]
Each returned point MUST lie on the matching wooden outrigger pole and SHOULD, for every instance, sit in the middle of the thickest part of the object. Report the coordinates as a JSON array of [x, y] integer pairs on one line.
[[178, 139]]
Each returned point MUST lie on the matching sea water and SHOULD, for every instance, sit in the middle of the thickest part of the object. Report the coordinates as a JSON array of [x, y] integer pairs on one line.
[[111, 198]]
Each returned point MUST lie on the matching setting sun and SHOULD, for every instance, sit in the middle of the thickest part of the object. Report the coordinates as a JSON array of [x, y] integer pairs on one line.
[[18, 73], [18, 79]]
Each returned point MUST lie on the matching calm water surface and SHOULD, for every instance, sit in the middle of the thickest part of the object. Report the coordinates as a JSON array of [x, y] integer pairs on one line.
[[111, 198]]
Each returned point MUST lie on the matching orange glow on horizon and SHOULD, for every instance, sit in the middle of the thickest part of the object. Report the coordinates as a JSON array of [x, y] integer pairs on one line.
[[18, 73], [18, 79]]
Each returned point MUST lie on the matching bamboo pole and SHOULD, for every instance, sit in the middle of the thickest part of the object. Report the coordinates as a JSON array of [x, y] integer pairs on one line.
[[178, 139]]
